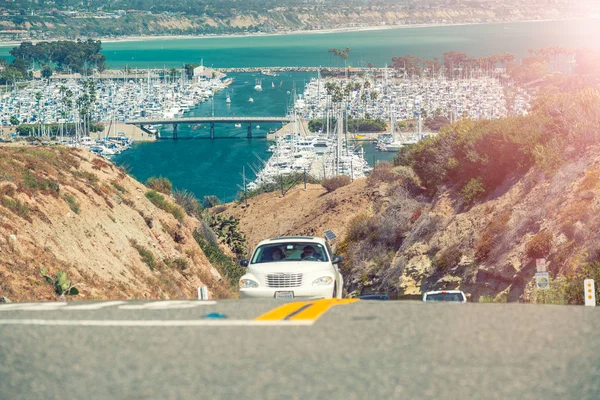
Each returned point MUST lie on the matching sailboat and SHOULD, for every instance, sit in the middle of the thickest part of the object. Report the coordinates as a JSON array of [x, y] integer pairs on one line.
[[258, 86], [272, 84], [228, 101], [250, 100]]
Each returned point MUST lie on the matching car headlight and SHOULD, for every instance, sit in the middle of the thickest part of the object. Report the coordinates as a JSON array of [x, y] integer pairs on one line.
[[324, 280], [248, 283]]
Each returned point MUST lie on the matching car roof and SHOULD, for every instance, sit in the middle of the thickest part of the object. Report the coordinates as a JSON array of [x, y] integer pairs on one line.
[[307, 239], [444, 291]]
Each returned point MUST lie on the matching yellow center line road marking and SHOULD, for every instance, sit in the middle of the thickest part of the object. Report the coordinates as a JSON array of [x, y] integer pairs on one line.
[[303, 311], [281, 312]]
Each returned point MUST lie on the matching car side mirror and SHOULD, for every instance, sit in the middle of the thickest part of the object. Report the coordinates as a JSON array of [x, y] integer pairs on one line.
[[337, 260], [244, 263]]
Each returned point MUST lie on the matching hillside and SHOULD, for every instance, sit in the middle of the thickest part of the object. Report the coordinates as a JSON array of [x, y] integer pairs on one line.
[[195, 18], [398, 241], [67, 209]]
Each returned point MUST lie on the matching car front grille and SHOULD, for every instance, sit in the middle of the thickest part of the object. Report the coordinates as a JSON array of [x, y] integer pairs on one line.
[[284, 280]]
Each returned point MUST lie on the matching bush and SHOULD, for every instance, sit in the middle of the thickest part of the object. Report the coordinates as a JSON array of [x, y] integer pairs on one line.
[[189, 202], [72, 202], [119, 187], [382, 172], [16, 206], [472, 191], [160, 184], [331, 184], [447, 258], [177, 263], [145, 254], [229, 269], [159, 201], [360, 228], [539, 245], [211, 201]]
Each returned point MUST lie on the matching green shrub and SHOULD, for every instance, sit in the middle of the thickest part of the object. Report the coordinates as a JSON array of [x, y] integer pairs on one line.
[[189, 202], [72, 202], [539, 245], [229, 269], [228, 231], [30, 181], [145, 254], [160, 184], [331, 184], [472, 191], [16, 206], [62, 286], [159, 201], [119, 187], [211, 201], [179, 263]]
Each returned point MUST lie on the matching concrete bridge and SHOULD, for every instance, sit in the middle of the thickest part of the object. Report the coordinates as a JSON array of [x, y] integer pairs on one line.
[[211, 120]]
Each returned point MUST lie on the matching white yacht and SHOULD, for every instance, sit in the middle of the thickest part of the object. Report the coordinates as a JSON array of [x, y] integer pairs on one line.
[[258, 86], [250, 100]]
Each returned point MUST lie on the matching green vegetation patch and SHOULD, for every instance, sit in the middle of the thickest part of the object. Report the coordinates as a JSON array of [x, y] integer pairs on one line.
[[160, 184], [72, 202], [145, 254], [159, 201], [17, 207], [229, 269]]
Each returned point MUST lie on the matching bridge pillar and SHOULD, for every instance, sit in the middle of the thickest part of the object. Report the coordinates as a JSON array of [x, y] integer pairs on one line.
[[212, 130], [174, 131], [249, 130]]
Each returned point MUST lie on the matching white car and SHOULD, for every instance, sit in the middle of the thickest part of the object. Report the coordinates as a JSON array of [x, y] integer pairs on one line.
[[456, 296], [285, 268]]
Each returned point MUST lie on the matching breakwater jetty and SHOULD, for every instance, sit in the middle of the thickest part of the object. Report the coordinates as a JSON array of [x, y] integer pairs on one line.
[[274, 70]]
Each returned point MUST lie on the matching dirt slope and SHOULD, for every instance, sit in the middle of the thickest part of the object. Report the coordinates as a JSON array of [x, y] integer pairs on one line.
[[301, 212], [67, 209]]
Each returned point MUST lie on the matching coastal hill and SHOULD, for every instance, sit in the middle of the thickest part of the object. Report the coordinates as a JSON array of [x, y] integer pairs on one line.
[[419, 244], [128, 18], [65, 209]]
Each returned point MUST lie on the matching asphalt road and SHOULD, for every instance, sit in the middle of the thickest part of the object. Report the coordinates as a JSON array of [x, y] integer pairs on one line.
[[361, 350]]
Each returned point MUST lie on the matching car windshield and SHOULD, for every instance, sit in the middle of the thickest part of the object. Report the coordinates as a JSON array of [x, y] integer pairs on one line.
[[290, 251], [444, 297]]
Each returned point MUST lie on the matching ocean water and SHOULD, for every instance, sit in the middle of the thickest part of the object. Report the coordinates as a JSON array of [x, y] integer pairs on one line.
[[214, 167]]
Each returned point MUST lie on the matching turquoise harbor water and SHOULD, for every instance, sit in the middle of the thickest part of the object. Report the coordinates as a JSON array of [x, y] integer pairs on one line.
[[214, 167]]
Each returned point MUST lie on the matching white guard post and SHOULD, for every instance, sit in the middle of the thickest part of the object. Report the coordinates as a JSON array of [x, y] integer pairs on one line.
[[202, 293], [590, 292]]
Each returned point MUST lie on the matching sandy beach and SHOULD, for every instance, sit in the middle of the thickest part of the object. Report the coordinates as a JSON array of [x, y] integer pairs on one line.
[[285, 33]]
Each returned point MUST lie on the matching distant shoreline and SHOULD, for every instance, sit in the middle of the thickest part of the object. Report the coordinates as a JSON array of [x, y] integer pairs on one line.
[[295, 32]]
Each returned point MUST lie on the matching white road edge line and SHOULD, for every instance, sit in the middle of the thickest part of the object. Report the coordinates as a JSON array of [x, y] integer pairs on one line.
[[93, 306], [153, 323]]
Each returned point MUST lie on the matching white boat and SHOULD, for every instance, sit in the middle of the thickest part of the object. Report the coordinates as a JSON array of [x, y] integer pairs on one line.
[[250, 100], [258, 86], [238, 125], [228, 99], [257, 126], [272, 84]]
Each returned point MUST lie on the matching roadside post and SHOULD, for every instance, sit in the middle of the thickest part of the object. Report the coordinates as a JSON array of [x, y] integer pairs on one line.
[[202, 293], [589, 292]]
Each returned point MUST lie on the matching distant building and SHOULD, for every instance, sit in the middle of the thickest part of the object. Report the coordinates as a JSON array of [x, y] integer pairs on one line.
[[202, 72]]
